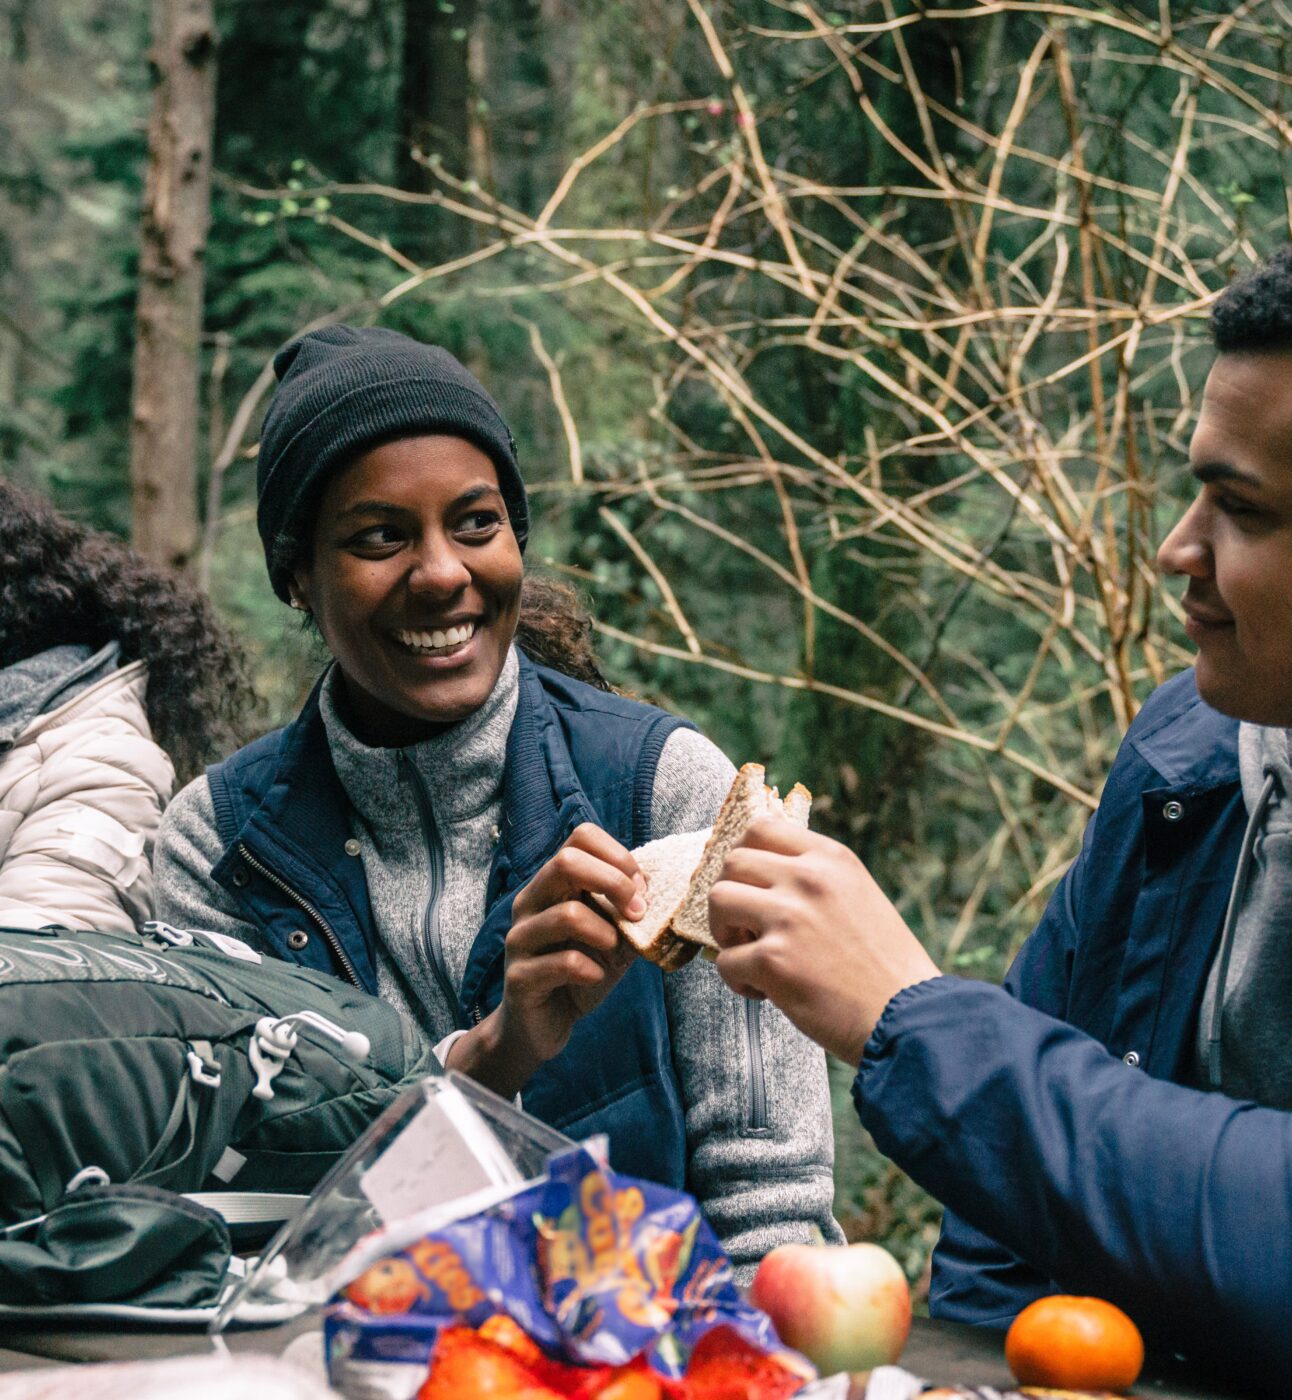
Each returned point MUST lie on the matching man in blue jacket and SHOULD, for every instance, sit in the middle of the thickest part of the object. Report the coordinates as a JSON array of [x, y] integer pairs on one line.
[[1118, 1119]]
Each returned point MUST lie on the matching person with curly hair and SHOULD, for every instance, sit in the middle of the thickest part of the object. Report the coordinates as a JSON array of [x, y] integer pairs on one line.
[[103, 661], [440, 822]]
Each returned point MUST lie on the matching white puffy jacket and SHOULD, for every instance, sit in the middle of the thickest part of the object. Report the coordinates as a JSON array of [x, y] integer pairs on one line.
[[81, 796]]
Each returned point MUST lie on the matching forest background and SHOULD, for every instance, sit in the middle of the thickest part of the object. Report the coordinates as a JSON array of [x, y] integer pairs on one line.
[[852, 352]]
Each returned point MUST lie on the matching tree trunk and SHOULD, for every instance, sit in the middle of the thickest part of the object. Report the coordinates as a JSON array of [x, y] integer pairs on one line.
[[532, 46], [176, 212], [434, 113], [436, 87]]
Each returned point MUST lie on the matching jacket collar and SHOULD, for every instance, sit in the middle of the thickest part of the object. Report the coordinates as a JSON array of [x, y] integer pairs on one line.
[[305, 798], [1192, 747], [298, 830], [461, 766], [41, 684]]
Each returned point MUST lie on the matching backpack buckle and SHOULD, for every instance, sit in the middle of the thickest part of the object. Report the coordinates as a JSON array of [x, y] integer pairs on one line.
[[274, 1040], [168, 933], [268, 1051], [203, 1068]]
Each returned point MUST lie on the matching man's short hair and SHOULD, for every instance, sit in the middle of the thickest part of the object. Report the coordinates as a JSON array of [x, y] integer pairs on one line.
[[1254, 313]]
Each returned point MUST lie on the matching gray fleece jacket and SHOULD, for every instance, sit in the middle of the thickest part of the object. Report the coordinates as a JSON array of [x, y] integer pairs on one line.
[[1251, 974], [759, 1187]]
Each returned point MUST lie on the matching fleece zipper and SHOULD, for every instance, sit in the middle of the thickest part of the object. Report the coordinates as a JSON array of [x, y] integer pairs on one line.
[[757, 1074], [431, 914], [329, 934]]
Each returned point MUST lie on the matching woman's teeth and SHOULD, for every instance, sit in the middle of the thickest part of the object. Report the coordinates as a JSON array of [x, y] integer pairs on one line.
[[438, 640]]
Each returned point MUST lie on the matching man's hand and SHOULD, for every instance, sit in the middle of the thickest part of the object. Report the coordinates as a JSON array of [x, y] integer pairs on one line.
[[801, 922], [564, 957]]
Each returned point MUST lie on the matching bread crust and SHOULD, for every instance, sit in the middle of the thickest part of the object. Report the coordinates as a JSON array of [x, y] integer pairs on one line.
[[669, 951], [673, 947], [749, 787]]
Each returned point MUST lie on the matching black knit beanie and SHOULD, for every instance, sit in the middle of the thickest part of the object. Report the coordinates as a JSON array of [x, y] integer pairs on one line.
[[345, 389]]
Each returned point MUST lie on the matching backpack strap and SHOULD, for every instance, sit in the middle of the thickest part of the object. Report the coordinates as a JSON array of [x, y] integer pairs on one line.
[[251, 1207]]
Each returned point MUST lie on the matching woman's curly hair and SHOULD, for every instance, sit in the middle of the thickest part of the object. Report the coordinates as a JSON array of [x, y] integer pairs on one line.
[[62, 583], [555, 629]]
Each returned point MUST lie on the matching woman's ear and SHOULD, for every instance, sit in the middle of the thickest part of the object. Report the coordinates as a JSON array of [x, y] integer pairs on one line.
[[298, 594]]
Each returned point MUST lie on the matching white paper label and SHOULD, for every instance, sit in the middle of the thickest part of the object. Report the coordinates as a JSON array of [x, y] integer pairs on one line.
[[445, 1152], [230, 1164]]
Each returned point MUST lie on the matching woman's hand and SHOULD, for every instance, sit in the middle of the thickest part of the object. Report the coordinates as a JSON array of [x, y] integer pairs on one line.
[[801, 922], [564, 957]]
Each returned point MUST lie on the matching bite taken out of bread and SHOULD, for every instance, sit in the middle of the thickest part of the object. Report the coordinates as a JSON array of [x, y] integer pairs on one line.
[[680, 870]]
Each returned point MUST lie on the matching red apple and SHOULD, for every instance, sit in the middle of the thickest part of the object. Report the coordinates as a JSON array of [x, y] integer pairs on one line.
[[845, 1309]]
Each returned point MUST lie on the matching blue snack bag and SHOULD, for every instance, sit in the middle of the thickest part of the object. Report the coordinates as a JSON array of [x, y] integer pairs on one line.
[[595, 1267]]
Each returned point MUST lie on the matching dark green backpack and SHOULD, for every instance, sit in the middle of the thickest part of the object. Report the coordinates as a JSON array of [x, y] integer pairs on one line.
[[184, 1061]]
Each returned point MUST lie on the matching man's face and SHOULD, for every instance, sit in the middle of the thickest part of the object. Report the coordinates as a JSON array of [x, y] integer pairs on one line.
[[1234, 543]]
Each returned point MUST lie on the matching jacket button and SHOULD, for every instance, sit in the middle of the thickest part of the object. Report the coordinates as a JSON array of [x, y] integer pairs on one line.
[[1131, 1058], [297, 939], [241, 878], [352, 847], [1173, 811]]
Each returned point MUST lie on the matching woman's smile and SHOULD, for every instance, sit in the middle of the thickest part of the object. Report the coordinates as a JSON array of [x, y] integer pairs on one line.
[[437, 640], [450, 642]]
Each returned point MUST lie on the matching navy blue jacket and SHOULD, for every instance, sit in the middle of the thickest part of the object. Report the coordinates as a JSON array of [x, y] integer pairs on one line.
[[574, 754], [1070, 1156]]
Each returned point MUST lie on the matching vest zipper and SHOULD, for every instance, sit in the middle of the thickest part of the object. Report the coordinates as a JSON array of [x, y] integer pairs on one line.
[[431, 914], [757, 1076], [329, 937]]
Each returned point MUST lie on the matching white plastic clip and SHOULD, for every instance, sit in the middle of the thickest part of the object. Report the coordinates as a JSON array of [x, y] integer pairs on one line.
[[274, 1040], [177, 937], [87, 1176], [353, 1045], [203, 1071], [268, 1051]]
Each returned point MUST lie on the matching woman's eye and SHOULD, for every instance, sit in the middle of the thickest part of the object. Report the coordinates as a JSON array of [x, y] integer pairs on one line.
[[479, 522], [375, 537]]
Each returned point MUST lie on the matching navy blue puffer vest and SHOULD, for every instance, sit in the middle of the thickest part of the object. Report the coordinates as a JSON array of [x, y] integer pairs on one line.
[[574, 754]]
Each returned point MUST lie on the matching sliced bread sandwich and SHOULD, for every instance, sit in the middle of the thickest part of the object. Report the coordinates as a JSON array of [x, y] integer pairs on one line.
[[680, 870]]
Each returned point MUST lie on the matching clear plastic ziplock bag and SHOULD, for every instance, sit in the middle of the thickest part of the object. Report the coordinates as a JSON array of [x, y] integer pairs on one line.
[[443, 1150]]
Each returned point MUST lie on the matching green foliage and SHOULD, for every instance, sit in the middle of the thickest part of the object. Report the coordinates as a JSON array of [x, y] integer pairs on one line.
[[70, 185], [875, 1202], [907, 424]]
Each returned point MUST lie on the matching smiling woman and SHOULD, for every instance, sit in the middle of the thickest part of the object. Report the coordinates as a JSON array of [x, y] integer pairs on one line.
[[414, 579], [436, 822]]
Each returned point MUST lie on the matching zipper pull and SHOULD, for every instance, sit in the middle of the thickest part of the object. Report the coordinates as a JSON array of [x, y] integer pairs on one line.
[[354, 1045]]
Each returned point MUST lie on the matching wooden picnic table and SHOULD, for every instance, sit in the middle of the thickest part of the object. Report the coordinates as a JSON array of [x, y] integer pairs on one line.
[[941, 1352]]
